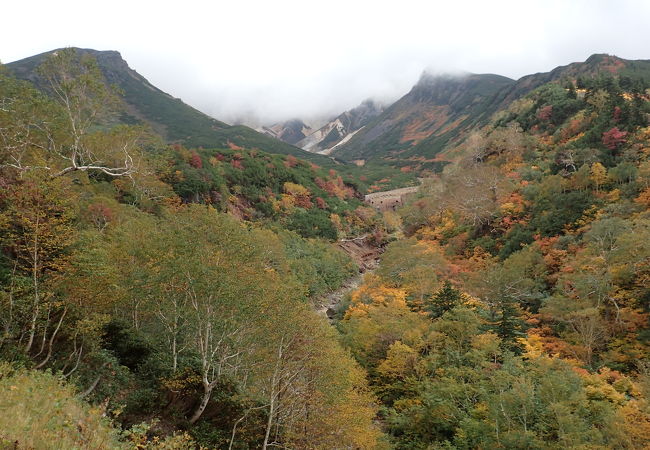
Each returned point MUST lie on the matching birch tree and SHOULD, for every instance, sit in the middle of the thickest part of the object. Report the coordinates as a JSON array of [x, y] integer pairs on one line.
[[60, 135]]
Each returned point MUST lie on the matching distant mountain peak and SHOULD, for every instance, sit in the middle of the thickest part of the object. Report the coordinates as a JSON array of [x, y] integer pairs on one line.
[[341, 128], [290, 131]]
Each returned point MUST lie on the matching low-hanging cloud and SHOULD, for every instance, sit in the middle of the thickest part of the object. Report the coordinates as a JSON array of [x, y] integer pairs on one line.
[[260, 61]]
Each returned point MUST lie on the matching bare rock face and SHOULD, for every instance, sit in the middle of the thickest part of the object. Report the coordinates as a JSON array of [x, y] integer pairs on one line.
[[340, 129]]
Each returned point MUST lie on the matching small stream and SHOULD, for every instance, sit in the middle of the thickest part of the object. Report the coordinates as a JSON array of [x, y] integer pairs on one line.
[[327, 304], [366, 255]]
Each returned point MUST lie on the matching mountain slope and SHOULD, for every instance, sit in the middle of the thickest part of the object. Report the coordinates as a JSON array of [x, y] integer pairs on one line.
[[168, 116], [433, 112], [440, 110], [338, 130], [290, 131], [594, 66]]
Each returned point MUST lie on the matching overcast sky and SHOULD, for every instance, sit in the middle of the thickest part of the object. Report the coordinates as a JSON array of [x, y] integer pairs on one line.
[[277, 59]]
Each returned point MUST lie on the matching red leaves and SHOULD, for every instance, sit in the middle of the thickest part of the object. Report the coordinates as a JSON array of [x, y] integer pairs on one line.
[[196, 161], [545, 113], [614, 138], [100, 214], [291, 161]]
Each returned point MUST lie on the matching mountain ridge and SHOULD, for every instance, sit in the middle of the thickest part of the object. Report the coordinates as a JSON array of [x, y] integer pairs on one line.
[[435, 105], [441, 108], [174, 120]]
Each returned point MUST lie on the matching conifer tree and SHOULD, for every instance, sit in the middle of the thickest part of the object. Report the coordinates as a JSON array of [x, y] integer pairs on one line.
[[445, 299]]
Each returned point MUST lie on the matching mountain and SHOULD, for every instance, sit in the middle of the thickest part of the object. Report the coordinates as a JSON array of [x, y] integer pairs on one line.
[[441, 109], [435, 111], [170, 117], [291, 131], [594, 66], [340, 129]]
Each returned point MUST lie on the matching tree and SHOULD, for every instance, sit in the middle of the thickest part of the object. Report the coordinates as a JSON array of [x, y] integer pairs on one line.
[[598, 175], [61, 138], [614, 138], [37, 229], [445, 299]]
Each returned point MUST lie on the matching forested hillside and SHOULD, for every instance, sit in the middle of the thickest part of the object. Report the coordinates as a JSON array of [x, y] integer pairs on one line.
[[515, 314], [124, 276], [164, 295]]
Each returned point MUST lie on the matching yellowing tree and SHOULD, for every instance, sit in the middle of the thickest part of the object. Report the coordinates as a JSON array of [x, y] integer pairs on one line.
[[598, 175]]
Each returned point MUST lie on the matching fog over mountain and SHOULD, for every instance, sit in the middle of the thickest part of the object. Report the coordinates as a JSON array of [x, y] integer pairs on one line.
[[261, 62]]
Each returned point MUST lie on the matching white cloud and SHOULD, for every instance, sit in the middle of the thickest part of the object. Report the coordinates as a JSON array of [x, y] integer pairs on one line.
[[289, 58]]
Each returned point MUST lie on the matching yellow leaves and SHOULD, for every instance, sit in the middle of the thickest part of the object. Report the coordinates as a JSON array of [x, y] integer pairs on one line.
[[598, 175], [603, 391], [336, 221], [637, 422], [533, 346], [287, 203], [183, 380], [375, 295], [470, 301], [295, 189], [613, 196], [48, 414], [400, 361], [486, 343], [445, 226], [481, 411], [392, 221], [508, 208], [608, 385]]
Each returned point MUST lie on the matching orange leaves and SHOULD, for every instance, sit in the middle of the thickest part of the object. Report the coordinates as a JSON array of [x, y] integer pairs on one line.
[[234, 146], [574, 129], [290, 161], [100, 214], [644, 198], [335, 187]]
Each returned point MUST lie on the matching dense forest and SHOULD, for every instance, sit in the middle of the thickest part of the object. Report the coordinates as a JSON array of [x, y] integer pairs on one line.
[[160, 296], [514, 314]]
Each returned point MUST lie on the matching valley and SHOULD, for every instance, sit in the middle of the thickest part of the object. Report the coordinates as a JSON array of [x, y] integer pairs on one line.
[[482, 280]]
